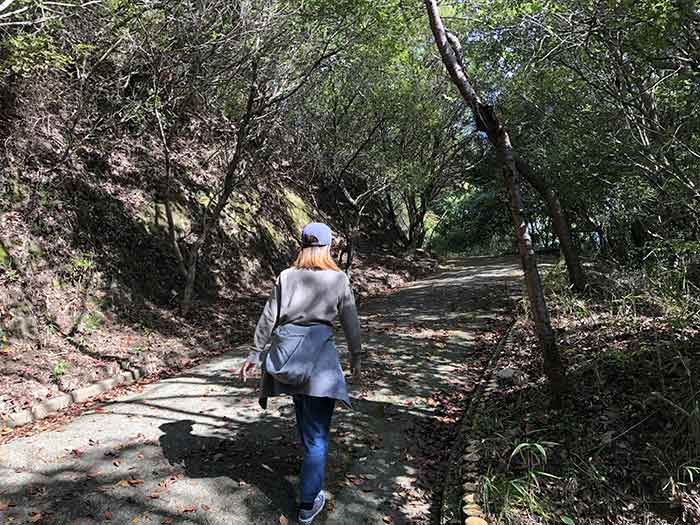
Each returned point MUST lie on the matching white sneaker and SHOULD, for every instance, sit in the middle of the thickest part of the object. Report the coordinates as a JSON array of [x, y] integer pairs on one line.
[[306, 517]]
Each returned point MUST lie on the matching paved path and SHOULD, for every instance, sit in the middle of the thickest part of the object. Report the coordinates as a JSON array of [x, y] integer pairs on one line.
[[196, 449]]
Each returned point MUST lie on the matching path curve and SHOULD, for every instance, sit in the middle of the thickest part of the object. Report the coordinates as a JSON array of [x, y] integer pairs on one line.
[[196, 448]]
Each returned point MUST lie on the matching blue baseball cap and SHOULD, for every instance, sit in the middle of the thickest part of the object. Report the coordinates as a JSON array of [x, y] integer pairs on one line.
[[316, 234]]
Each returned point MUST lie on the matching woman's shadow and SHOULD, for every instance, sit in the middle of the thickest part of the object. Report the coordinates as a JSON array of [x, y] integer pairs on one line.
[[261, 456]]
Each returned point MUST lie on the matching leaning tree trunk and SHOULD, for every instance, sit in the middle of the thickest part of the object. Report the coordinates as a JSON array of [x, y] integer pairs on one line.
[[577, 277], [209, 223], [168, 197], [488, 121], [235, 171], [553, 365]]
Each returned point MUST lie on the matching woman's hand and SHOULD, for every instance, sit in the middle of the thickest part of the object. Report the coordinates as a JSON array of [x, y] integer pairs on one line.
[[247, 369]]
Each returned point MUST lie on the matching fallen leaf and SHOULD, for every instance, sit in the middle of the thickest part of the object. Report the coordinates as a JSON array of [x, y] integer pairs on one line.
[[123, 483], [155, 495], [35, 517], [283, 520], [387, 519], [167, 482], [190, 508], [134, 482], [136, 519], [166, 520]]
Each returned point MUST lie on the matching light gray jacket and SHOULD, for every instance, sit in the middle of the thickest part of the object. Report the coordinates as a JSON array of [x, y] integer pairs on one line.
[[308, 298]]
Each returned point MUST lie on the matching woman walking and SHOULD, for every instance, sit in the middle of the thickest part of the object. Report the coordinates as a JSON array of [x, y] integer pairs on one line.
[[294, 347]]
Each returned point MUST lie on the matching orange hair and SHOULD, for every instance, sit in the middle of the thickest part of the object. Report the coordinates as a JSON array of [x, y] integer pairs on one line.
[[316, 258]]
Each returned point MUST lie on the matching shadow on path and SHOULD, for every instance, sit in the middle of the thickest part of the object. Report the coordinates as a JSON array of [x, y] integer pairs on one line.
[[197, 448]]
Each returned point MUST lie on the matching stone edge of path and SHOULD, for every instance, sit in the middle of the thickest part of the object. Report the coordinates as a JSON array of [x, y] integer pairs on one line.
[[461, 498], [53, 405], [461, 493]]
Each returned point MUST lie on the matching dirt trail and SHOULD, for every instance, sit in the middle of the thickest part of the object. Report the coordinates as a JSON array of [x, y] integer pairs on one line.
[[197, 449]]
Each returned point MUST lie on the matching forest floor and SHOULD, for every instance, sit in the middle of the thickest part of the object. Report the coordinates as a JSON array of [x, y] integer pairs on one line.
[[196, 448], [625, 447]]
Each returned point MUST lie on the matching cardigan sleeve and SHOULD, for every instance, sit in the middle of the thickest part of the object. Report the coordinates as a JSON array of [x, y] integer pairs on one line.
[[266, 324], [350, 322]]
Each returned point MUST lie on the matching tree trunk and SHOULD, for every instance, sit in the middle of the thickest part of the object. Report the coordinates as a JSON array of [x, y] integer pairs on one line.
[[351, 247], [553, 365], [188, 293], [487, 121], [349, 253], [354, 238], [401, 239], [236, 166], [577, 276], [172, 234], [204, 236], [603, 245], [235, 171], [417, 236]]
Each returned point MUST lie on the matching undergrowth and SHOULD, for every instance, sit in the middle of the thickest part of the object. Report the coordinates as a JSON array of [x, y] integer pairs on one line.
[[625, 449]]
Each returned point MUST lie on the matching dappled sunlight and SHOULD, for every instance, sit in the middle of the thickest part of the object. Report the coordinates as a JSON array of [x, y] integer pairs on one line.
[[197, 447]]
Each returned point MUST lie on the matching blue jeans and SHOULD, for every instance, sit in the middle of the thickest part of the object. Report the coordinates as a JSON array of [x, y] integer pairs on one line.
[[313, 421]]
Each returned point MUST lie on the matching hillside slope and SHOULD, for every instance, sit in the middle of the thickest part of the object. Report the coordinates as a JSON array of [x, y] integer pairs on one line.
[[89, 283]]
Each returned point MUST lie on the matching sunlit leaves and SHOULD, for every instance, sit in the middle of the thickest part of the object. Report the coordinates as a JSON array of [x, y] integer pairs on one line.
[[32, 53]]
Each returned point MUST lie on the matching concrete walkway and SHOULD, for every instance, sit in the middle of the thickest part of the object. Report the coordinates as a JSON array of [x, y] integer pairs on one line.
[[197, 449]]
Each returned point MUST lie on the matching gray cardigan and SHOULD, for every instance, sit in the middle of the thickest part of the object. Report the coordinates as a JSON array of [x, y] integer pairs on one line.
[[310, 297]]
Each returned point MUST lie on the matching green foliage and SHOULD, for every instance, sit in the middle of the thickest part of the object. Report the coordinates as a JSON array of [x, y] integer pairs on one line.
[[608, 114], [674, 271], [11, 275], [81, 263], [5, 259], [473, 221], [59, 369], [513, 493], [532, 454], [93, 321], [80, 269], [33, 53]]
